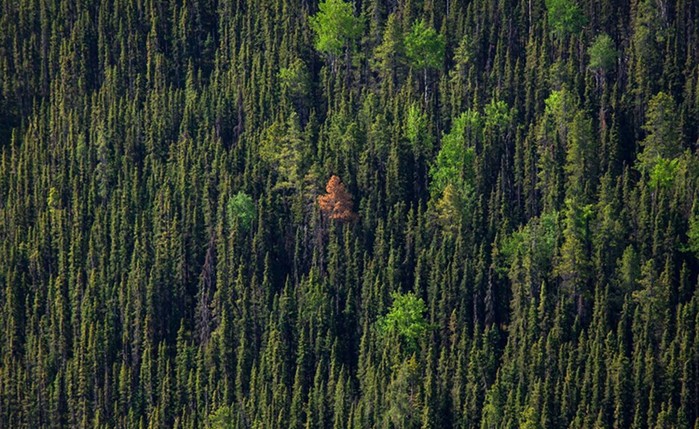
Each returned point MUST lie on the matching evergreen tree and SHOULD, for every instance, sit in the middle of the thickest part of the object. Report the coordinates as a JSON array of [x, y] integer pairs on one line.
[[514, 241]]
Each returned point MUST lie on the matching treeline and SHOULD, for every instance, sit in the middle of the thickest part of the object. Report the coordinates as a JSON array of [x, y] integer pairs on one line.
[[402, 214]]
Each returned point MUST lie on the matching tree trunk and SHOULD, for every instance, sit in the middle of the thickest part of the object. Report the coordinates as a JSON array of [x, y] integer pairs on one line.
[[425, 85]]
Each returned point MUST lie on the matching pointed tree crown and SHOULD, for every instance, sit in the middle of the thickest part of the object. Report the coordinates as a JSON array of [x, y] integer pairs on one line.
[[337, 202]]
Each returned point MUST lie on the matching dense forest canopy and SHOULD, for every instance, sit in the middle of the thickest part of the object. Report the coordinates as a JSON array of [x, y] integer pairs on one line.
[[349, 214]]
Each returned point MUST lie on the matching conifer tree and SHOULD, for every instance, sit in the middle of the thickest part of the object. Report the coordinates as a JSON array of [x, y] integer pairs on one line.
[[337, 202]]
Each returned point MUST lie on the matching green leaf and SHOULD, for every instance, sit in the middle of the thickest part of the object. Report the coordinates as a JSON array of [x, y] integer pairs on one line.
[[335, 25], [424, 47], [241, 208], [602, 53], [405, 318], [564, 16]]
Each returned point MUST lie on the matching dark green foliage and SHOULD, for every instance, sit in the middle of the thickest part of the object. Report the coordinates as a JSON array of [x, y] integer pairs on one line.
[[294, 78], [174, 250], [693, 235], [388, 54], [402, 396], [663, 138], [662, 147]]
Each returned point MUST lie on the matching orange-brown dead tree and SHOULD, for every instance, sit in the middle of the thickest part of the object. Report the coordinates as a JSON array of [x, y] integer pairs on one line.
[[337, 203]]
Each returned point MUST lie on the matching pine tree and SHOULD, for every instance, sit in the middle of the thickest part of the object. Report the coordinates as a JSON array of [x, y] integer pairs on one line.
[[337, 202]]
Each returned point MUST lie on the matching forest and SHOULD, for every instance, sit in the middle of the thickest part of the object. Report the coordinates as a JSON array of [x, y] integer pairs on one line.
[[327, 214]]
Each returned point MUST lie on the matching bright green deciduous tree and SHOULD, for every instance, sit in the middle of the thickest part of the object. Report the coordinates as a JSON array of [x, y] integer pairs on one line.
[[424, 47], [663, 172], [405, 318], [602, 53], [693, 235], [416, 130], [454, 163], [561, 106], [222, 418], [564, 16], [530, 418], [335, 25], [241, 208], [497, 115]]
